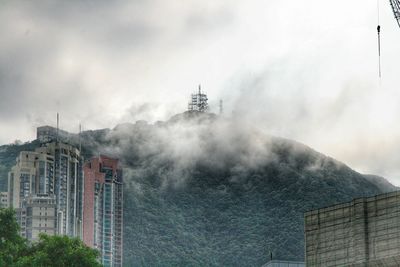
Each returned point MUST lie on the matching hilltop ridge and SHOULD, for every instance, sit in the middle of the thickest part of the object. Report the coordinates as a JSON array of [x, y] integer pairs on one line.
[[200, 190]]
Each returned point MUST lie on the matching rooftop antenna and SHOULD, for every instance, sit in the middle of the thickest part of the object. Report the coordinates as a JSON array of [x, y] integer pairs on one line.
[[221, 109], [378, 28], [58, 125], [80, 141]]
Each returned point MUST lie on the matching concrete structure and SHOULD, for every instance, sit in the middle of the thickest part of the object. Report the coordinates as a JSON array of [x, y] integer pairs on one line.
[[46, 134], [102, 215], [53, 170], [278, 263], [363, 232], [37, 215], [3, 199]]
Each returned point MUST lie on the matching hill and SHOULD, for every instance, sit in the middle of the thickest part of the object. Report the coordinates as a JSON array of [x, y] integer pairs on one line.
[[205, 191]]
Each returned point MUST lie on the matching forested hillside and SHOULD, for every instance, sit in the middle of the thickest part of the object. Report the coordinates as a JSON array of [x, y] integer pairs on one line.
[[206, 191]]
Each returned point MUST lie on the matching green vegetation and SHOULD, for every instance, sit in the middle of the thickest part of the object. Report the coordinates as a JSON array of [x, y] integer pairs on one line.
[[60, 251], [215, 195]]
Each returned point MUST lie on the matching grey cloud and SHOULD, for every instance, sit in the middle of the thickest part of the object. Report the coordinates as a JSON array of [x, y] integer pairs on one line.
[[206, 20], [305, 79]]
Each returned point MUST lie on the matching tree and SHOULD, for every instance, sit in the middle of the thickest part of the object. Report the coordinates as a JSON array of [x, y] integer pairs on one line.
[[60, 251], [12, 245]]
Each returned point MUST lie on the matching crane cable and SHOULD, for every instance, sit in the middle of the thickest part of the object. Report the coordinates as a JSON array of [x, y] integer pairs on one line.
[[378, 28]]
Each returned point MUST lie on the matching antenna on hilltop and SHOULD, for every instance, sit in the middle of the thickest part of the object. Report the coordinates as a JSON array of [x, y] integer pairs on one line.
[[221, 108], [198, 102]]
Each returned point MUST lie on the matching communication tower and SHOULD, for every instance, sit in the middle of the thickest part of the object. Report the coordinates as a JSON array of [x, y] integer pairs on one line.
[[198, 102]]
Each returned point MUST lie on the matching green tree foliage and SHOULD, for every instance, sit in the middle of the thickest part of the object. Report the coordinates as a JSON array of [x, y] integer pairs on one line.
[[12, 245], [60, 251]]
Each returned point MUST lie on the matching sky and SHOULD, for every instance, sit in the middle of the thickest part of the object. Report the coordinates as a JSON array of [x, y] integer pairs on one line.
[[304, 70]]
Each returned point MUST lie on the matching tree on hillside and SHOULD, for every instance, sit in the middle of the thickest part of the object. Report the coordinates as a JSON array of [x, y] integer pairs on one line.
[[60, 251]]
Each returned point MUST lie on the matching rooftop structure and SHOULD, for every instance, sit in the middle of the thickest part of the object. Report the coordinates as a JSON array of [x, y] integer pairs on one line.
[[198, 102], [278, 263], [47, 134], [363, 232]]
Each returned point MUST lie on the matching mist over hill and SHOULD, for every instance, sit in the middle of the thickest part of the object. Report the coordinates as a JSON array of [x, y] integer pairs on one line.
[[202, 190]]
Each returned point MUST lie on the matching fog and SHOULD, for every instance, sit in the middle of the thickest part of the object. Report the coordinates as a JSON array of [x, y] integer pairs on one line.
[[301, 70]]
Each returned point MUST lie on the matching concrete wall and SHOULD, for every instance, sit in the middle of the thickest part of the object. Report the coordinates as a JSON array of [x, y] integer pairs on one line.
[[363, 232]]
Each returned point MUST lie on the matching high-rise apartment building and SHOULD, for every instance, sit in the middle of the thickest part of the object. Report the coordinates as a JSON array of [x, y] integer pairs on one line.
[[363, 232], [67, 187], [102, 215], [52, 171]]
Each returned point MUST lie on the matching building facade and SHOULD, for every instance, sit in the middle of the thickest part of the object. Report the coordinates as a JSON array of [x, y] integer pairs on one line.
[[102, 215], [3, 199], [32, 174], [37, 215], [363, 232], [52, 171]]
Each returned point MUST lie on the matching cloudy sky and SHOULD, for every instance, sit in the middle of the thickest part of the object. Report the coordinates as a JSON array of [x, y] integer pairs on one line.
[[306, 70]]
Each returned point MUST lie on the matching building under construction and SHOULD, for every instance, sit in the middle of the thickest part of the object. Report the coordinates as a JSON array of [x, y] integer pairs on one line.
[[363, 232], [198, 102]]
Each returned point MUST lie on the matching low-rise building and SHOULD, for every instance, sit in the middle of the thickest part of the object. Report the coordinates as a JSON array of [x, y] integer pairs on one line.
[[37, 215]]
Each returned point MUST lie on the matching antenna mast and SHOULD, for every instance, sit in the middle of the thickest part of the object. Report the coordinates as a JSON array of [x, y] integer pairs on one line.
[[58, 126], [80, 141]]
